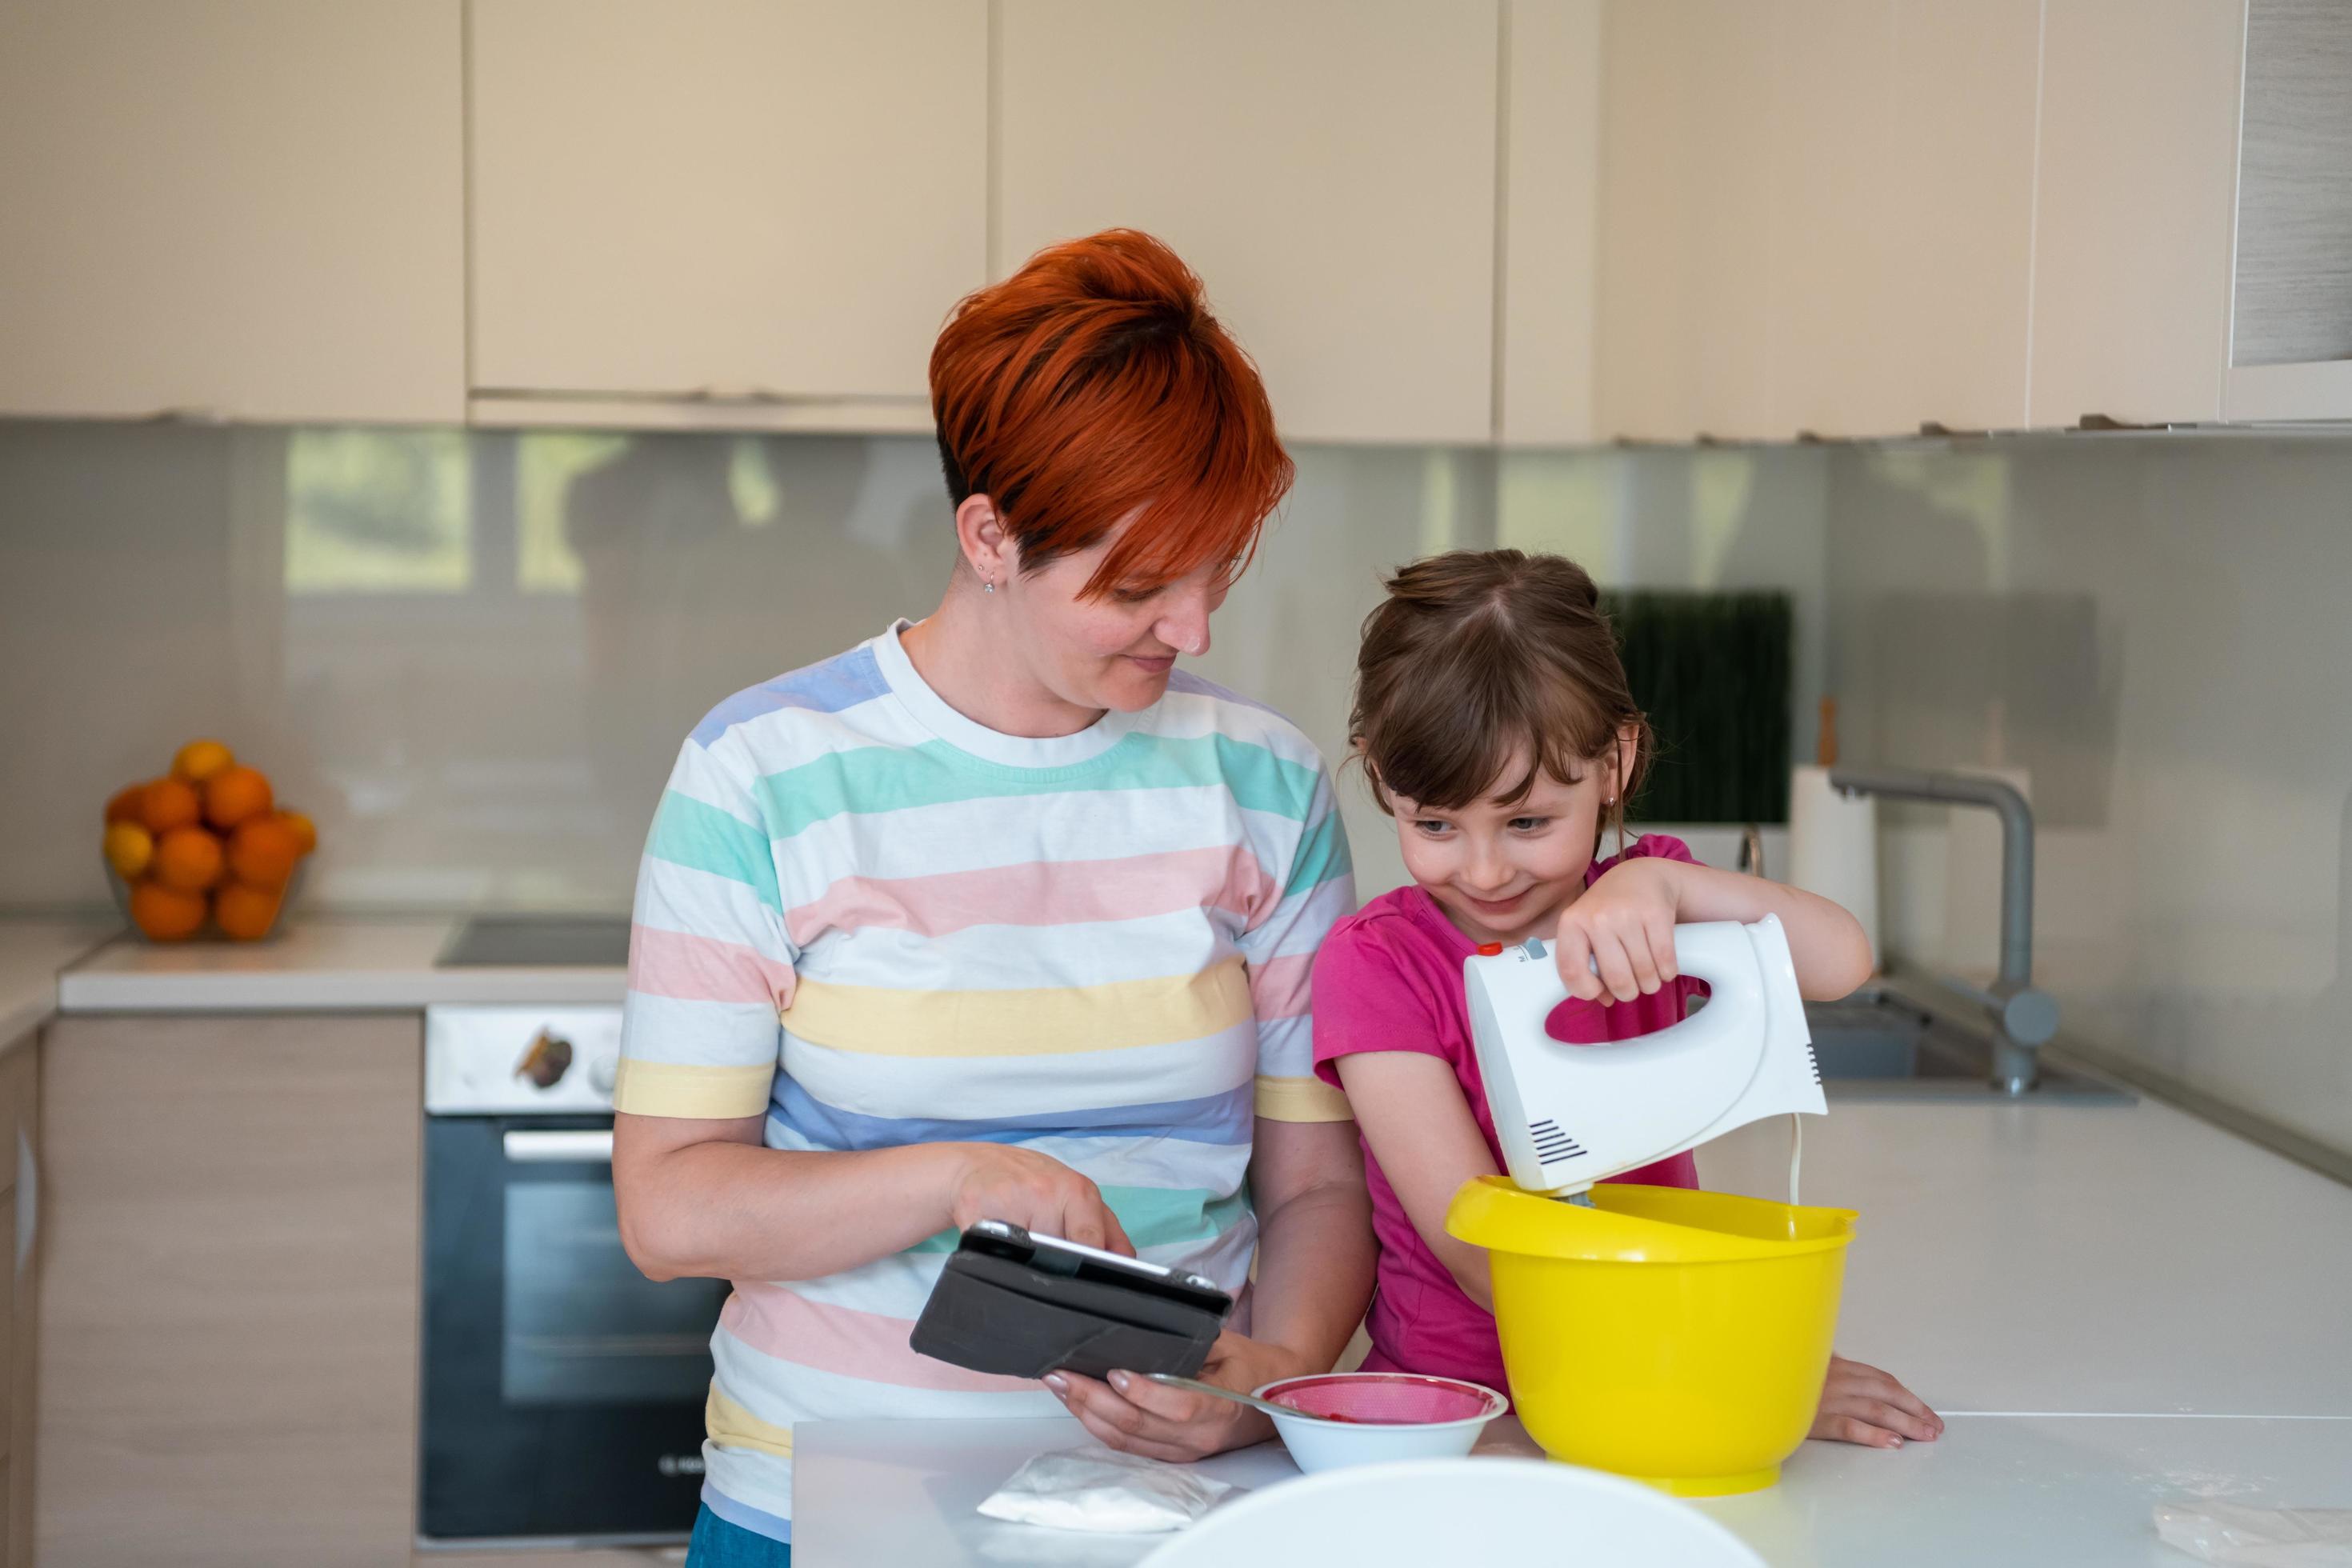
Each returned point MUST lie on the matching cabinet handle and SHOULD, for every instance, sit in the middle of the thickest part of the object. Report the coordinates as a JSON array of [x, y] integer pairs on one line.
[[547, 1148], [28, 1200], [715, 392]]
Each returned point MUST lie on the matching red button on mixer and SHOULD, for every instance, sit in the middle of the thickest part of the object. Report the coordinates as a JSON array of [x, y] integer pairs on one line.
[[1490, 950]]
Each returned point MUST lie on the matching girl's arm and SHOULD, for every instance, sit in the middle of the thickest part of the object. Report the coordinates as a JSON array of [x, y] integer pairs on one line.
[[1626, 922], [1419, 1126]]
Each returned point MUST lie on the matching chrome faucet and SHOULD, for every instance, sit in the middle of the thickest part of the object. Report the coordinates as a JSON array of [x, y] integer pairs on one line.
[[2023, 1019]]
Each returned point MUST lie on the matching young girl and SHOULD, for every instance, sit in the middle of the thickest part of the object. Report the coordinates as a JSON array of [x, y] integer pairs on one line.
[[1493, 720]]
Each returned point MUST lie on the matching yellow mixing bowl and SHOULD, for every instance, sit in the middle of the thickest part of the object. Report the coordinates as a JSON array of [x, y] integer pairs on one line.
[[1679, 1338]]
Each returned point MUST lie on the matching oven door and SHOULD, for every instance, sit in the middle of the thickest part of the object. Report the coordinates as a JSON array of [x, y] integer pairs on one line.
[[563, 1391]]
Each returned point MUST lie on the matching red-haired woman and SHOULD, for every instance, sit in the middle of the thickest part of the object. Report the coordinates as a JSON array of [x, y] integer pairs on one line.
[[1001, 915]]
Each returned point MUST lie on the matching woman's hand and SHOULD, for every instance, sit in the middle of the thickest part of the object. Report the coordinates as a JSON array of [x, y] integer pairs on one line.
[[1033, 1191], [1863, 1405], [1140, 1416], [1626, 923]]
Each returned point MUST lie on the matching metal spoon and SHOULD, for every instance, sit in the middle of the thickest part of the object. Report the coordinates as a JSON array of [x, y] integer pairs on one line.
[[1252, 1400]]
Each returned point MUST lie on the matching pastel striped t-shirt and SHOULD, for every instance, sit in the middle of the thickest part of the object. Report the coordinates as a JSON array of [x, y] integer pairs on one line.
[[879, 924]]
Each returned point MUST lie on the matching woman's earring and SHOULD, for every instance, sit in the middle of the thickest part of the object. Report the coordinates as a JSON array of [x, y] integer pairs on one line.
[[986, 587]]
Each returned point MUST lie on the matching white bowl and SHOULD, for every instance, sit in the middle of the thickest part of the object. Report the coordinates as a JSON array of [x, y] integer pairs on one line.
[[1317, 1446]]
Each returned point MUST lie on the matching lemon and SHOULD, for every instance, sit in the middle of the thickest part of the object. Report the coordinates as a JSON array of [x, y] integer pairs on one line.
[[129, 848], [200, 760]]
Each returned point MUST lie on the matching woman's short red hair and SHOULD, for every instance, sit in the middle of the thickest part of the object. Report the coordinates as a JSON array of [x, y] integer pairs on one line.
[[1094, 382]]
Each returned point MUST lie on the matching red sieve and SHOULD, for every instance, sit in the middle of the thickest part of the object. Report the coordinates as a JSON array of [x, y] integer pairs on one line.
[[1386, 1400]]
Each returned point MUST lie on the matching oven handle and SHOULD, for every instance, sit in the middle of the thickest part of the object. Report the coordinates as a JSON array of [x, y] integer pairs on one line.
[[570, 1147]]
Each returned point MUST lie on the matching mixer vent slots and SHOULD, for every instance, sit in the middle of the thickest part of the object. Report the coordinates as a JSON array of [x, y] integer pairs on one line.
[[1552, 1145], [1815, 1062]]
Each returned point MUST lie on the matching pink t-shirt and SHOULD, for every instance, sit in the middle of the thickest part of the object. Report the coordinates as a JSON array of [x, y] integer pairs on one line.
[[1389, 978]]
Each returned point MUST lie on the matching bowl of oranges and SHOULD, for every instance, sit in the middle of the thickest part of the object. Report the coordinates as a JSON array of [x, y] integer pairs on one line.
[[206, 845]]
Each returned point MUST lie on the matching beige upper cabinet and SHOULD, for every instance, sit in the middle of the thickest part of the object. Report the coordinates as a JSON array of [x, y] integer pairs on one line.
[[1327, 167], [1549, 223], [734, 204], [246, 209], [2134, 209], [1682, 338], [1816, 216]]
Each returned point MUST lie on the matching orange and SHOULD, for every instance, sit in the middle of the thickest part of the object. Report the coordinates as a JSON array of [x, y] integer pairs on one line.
[[166, 914], [188, 859], [305, 835], [262, 852], [246, 913], [236, 794], [126, 804], [167, 804], [200, 760], [129, 848]]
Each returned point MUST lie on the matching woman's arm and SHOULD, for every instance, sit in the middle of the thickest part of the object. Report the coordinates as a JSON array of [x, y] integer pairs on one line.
[[1626, 922], [704, 1199], [1415, 1119], [1315, 1238]]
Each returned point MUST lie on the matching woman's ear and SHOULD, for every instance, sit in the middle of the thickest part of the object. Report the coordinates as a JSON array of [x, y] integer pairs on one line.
[[984, 543]]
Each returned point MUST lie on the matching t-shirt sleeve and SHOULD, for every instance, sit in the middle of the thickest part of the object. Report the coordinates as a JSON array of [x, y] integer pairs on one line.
[[1317, 888], [1368, 1000], [710, 967]]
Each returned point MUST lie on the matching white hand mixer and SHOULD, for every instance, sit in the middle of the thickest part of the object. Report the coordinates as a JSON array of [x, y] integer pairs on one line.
[[1569, 1116]]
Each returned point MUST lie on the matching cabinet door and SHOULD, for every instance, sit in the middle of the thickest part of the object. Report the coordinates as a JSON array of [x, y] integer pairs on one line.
[[2134, 214], [1327, 167], [19, 1226], [228, 1291], [1549, 230], [1681, 344], [1900, 256], [247, 208], [732, 201]]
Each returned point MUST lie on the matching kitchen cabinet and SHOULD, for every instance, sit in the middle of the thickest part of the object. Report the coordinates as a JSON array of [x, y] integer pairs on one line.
[[19, 1305], [1548, 227], [2291, 323], [1681, 345], [2133, 210], [1328, 167], [246, 209], [228, 1289], [1816, 216], [740, 212]]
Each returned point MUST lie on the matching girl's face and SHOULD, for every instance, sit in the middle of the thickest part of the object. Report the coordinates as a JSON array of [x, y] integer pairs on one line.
[[1503, 872]]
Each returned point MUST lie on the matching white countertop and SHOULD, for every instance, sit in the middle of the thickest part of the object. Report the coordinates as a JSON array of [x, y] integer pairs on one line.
[[2113, 1305], [319, 964], [32, 953], [2008, 1491]]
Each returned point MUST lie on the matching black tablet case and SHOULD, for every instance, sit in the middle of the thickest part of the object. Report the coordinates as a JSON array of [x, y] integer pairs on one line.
[[994, 1314]]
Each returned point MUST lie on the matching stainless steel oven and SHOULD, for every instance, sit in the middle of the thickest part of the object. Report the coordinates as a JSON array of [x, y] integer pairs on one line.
[[563, 1389]]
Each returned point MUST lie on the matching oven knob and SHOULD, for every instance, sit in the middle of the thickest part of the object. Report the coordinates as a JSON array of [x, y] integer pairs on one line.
[[602, 1074], [546, 1059]]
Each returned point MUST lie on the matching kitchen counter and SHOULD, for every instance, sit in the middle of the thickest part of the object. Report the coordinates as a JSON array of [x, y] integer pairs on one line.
[[2111, 1304], [2008, 1491], [319, 963], [32, 954]]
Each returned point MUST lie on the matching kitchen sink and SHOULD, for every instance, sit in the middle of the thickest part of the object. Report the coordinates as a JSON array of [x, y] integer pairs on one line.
[[1882, 1043]]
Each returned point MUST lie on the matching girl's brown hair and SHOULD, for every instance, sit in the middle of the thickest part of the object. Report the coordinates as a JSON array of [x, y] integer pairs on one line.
[[1477, 655]]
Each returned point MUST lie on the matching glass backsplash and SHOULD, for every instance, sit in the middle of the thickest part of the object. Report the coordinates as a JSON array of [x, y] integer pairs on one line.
[[472, 654]]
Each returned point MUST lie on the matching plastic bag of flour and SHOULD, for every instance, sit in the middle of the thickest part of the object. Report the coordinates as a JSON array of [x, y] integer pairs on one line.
[[1103, 1489], [2240, 1537]]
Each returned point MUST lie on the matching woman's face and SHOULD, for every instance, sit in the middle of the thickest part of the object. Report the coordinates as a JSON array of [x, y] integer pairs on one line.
[[1113, 651]]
